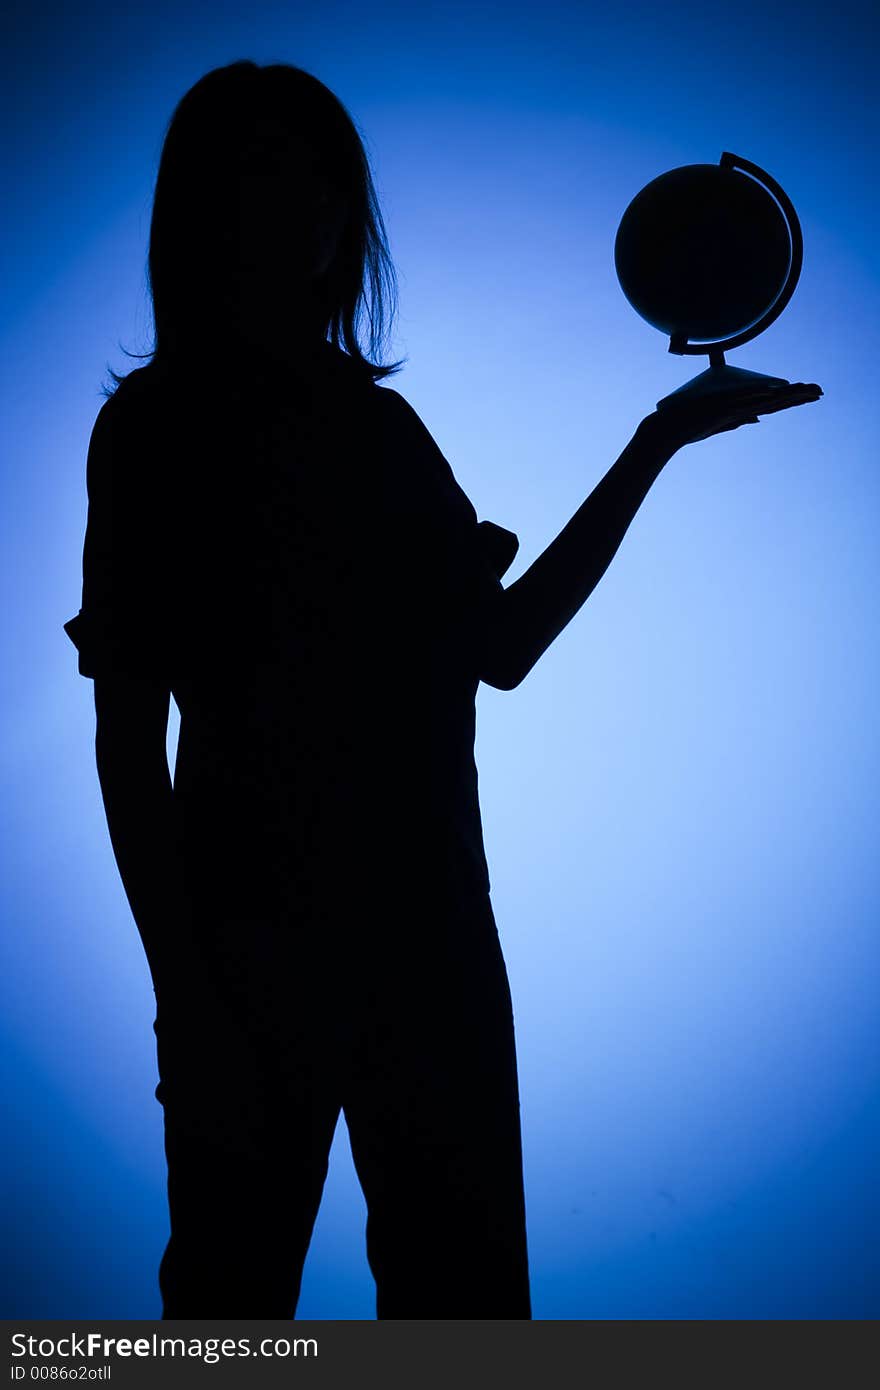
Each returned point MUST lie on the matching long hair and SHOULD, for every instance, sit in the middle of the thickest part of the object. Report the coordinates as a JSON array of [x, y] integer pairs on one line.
[[194, 196]]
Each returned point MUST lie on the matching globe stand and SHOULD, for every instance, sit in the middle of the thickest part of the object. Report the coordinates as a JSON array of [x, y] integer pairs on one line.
[[689, 228], [719, 378]]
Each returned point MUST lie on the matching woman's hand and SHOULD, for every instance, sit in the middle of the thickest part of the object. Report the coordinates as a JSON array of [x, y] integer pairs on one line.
[[699, 417]]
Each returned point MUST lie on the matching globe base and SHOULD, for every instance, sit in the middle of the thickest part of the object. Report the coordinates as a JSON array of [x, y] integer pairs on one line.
[[717, 380]]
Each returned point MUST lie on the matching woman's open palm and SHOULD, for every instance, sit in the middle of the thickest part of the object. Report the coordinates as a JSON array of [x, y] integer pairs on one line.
[[699, 417]]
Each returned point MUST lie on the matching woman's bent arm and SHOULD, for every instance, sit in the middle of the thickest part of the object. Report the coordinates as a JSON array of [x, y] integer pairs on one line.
[[538, 605], [532, 612]]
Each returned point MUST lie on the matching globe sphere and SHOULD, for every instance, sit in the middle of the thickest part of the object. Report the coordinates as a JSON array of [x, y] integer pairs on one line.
[[702, 251]]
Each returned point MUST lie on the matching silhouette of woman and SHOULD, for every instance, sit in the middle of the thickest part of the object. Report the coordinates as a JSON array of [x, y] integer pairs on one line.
[[276, 540]]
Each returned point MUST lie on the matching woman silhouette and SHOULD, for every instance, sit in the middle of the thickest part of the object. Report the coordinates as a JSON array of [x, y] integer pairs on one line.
[[277, 540]]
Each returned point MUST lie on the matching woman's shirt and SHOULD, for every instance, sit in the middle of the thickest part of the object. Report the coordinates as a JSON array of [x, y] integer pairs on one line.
[[292, 556]]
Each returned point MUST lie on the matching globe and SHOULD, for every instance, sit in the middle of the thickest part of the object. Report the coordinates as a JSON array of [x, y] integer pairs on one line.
[[710, 254]]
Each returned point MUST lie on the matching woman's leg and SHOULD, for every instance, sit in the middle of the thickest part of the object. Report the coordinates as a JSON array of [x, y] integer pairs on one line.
[[432, 1107], [250, 1106]]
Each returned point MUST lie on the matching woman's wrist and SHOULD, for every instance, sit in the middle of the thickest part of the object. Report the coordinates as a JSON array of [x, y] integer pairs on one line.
[[657, 438]]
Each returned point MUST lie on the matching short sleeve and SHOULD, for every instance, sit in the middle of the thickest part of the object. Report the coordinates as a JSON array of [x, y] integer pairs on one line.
[[122, 624], [469, 556], [498, 546]]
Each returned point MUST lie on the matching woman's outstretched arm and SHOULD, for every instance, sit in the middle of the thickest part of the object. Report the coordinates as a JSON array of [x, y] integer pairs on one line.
[[531, 612], [131, 728]]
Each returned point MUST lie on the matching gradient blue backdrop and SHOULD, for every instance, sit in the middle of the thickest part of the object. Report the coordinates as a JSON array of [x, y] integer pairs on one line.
[[680, 801]]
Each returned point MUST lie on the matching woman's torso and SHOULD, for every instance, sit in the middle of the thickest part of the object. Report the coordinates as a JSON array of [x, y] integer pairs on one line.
[[327, 708]]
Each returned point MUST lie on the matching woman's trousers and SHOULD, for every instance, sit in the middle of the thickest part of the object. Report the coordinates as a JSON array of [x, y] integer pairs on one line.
[[399, 1016]]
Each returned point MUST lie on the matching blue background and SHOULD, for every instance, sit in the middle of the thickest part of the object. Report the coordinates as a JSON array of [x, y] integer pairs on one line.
[[680, 802]]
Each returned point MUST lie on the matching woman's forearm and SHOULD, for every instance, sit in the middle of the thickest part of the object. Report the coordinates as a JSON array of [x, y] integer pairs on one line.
[[139, 805], [537, 606]]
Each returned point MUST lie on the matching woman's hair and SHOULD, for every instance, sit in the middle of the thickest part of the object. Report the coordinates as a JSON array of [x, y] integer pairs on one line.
[[195, 196]]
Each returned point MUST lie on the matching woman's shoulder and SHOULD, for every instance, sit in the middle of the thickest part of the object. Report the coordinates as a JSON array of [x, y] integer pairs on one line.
[[392, 401], [401, 417], [144, 387], [129, 436], [136, 400], [409, 438]]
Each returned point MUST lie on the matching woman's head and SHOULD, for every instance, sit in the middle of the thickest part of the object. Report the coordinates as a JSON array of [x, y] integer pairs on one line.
[[265, 222]]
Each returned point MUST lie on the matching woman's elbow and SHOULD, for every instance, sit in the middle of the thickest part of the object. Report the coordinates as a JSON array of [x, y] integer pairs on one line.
[[500, 678], [496, 661]]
